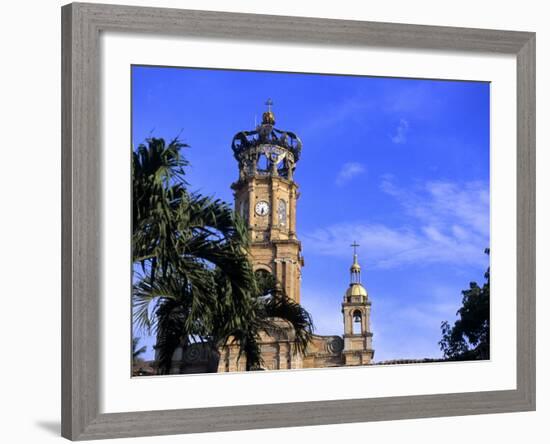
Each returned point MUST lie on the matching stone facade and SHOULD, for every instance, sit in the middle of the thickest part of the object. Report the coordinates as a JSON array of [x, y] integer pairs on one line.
[[268, 204], [354, 348]]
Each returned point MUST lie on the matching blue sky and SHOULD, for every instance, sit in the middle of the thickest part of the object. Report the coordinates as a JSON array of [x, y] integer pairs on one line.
[[399, 165]]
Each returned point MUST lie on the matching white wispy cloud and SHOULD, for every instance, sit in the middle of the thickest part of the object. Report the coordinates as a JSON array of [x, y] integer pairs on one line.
[[442, 204], [349, 171], [400, 135], [445, 222], [351, 109], [420, 100]]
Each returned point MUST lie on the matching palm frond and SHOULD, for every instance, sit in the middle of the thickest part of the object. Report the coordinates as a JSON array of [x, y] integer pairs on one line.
[[195, 279]]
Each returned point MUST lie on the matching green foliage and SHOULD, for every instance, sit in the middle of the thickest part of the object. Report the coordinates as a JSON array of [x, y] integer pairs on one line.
[[469, 337], [157, 192], [196, 282], [270, 305]]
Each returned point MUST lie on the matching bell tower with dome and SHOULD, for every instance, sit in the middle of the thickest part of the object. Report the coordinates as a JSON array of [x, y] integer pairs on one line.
[[265, 196], [356, 310]]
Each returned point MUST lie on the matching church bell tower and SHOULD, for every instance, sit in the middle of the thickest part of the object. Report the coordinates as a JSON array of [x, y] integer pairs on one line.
[[265, 196], [356, 310]]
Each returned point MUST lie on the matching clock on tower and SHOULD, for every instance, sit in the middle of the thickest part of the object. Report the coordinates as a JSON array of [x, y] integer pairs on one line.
[[265, 196]]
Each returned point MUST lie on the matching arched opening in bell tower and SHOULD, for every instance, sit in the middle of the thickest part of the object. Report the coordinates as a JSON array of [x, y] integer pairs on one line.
[[263, 164], [356, 324]]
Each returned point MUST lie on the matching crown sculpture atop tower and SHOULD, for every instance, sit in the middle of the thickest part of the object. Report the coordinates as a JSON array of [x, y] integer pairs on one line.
[[266, 150]]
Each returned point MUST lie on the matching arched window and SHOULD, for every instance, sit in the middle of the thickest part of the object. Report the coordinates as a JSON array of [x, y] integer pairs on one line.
[[282, 213], [263, 163], [356, 325], [265, 282], [243, 209]]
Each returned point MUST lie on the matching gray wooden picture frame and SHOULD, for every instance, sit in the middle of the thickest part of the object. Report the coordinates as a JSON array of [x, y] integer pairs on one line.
[[81, 252]]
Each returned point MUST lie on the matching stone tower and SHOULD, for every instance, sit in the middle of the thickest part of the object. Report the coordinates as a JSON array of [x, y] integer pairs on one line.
[[265, 196], [356, 310]]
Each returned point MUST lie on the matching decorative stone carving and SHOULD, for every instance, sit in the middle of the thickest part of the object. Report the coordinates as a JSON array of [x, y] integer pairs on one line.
[[335, 345]]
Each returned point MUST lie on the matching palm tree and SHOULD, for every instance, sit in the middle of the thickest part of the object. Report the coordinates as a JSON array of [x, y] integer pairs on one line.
[[196, 282], [158, 189], [269, 305]]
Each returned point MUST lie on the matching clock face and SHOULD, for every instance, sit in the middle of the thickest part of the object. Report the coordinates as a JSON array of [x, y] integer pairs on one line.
[[262, 208]]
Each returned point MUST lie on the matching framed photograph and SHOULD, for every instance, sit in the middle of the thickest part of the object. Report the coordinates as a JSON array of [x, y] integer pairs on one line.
[[278, 221]]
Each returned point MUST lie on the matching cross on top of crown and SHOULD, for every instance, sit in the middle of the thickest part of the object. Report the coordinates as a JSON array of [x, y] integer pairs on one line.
[[269, 104], [354, 245]]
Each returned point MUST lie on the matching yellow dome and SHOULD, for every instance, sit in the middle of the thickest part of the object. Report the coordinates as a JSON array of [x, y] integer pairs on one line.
[[268, 118], [356, 290]]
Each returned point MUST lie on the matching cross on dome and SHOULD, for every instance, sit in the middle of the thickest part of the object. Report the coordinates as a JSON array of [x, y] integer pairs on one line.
[[268, 118], [355, 268]]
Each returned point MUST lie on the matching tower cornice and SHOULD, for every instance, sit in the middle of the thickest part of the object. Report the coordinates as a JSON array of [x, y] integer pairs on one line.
[[245, 181]]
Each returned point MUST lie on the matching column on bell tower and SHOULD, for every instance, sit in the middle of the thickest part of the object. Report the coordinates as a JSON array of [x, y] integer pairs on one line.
[[356, 312], [267, 159]]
